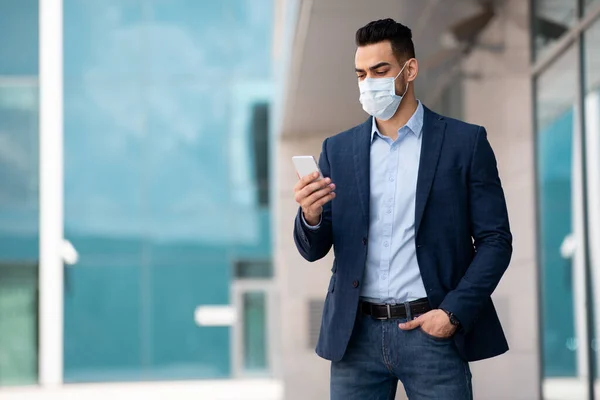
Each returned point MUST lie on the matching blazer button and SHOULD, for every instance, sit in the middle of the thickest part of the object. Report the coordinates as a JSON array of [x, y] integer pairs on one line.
[[355, 284], [364, 241]]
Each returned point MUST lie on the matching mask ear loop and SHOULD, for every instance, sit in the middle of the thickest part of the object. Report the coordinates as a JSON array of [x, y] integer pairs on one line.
[[407, 82]]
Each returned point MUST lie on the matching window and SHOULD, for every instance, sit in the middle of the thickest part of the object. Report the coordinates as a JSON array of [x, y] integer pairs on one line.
[[560, 225], [19, 192], [591, 70], [253, 269], [552, 19], [260, 136], [255, 330], [18, 324], [253, 298]]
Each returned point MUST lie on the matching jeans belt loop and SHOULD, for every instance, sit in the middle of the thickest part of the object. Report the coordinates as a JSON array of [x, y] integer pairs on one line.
[[408, 312], [389, 311]]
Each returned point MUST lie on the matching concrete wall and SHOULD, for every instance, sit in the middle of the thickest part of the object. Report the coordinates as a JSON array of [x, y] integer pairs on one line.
[[501, 101], [306, 376]]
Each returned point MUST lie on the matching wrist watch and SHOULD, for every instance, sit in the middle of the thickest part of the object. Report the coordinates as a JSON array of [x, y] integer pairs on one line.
[[453, 320]]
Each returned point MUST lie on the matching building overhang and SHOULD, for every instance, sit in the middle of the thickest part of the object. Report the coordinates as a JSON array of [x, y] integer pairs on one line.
[[320, 93]]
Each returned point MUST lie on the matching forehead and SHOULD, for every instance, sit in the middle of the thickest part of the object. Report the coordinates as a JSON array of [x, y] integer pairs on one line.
[[372, 54]]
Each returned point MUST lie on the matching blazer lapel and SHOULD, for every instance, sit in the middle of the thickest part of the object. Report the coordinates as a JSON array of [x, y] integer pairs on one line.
[[433, 137], [362, 165]]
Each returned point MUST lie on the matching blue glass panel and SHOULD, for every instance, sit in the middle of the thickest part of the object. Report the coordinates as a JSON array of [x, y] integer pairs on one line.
[[103, 40], [184, 276], [19, 192], [149, 115], [19, 37], [103, 206], [555, 175], [18, 322], [102, 312], [217, 41], [255, 331], [555, 169], [19, 176]]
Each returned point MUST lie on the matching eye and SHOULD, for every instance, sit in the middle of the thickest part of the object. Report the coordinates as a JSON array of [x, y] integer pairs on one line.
[[381, 73]]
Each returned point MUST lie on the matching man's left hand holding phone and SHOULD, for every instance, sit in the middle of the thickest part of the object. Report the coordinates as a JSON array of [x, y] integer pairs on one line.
[[312, 191]]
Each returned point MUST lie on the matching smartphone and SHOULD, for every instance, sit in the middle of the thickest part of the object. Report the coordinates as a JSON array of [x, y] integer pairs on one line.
[[306, 165]]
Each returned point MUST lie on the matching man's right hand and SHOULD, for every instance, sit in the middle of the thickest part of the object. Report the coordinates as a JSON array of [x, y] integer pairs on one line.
[[312, 195]]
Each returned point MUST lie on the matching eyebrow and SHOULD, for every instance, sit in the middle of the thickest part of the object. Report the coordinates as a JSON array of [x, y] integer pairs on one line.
[[374, 67]]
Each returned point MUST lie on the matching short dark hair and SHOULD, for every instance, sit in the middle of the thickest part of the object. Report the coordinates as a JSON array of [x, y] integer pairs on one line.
[[400, 36]]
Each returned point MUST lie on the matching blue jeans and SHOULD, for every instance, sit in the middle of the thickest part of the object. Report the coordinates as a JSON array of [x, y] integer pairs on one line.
[[379, 354]]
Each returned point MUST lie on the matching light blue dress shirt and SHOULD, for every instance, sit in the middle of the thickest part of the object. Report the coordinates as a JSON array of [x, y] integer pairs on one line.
[[392, 272]]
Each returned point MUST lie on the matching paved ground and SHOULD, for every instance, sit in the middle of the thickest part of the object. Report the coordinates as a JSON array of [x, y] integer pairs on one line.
[[196, 390]]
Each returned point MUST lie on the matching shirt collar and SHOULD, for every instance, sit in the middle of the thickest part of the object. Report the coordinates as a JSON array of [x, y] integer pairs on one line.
[[414, 124]]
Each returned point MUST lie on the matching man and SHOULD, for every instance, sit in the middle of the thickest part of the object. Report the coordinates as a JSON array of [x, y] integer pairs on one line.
[[414, 209]]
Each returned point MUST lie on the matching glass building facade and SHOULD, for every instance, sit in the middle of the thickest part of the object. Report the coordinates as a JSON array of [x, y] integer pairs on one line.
[[166, 189], [19, 177], [567, 107]]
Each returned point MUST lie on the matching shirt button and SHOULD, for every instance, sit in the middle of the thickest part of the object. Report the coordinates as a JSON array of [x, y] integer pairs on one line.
[[384, 277], [388, 212], [391, 179], [355, 284], [386, 244]]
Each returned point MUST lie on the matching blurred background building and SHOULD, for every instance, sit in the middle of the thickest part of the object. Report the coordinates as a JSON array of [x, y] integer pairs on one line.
[[146, 203]]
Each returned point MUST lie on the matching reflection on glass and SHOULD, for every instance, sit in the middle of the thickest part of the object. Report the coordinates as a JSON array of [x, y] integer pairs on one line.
[[151, 111], [19, 37], [563, 332], [592, 129], [19, 167], [255, 331], [19, 221], [552, 19], [18, 324]]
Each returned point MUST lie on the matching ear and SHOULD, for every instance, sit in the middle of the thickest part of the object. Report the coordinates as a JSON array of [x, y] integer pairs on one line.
[[413, 69]]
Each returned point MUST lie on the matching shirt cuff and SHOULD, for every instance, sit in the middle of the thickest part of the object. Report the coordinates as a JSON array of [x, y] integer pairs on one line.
[[311, 227]]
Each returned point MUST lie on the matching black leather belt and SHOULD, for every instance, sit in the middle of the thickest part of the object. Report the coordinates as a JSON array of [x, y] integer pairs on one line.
[[395, 311]]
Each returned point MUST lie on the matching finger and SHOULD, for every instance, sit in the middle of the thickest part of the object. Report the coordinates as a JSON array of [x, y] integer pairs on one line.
[[324, 200], [410, 325], [314, 187], [308, 201], [319, 194], [305, 180], [304, 190], [301, 193]]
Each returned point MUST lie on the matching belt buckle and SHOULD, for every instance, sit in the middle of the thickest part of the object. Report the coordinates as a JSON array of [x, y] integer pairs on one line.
[[389, 313]]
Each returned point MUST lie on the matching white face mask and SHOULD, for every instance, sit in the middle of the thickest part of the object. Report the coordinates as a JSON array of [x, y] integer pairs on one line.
[[378, 96]]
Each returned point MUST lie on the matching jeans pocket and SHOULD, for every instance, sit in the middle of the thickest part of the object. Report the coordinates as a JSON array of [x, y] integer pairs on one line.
[[435, 338]]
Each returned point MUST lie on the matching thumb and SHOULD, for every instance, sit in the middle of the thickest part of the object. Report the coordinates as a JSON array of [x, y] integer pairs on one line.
[[410, 325]]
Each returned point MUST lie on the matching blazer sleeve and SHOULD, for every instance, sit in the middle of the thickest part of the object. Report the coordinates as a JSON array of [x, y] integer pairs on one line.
[[491, 233], [314, 243]]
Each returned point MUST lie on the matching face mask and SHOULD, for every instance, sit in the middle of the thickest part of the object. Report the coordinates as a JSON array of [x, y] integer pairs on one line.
[[378, 96]]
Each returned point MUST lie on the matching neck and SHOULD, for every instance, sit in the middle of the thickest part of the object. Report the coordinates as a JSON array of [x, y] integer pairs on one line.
[[407, 108]]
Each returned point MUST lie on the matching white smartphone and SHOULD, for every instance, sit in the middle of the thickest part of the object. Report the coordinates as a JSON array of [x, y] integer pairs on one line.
[[306, 165]]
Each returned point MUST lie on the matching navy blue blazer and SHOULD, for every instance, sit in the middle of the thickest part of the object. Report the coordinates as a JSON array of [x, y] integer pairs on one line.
[[462, 237]]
